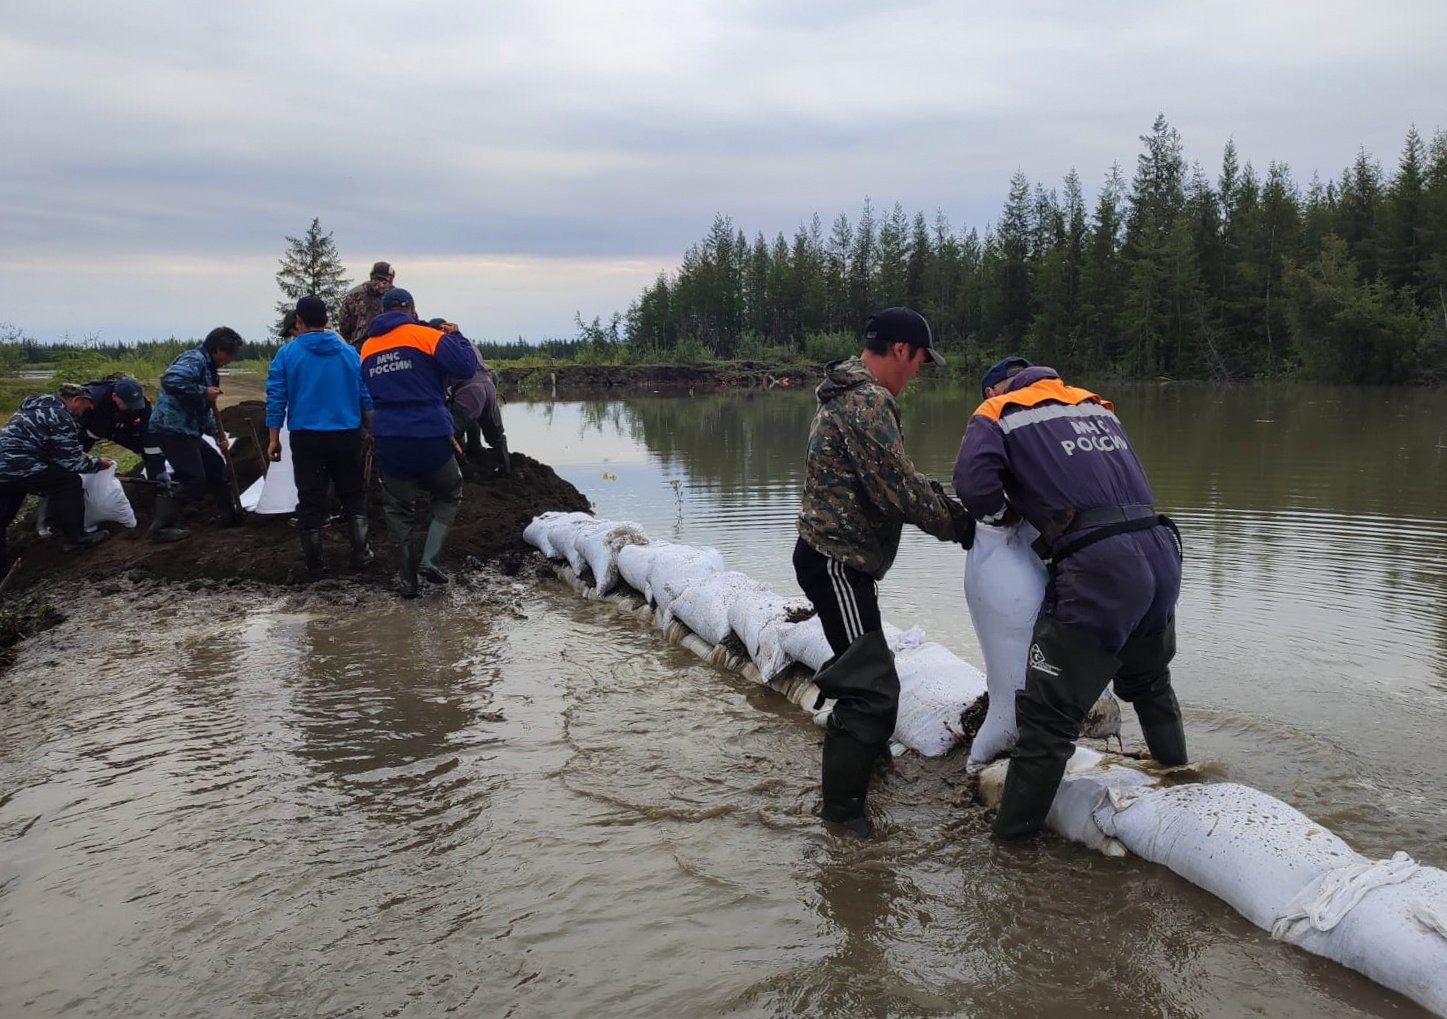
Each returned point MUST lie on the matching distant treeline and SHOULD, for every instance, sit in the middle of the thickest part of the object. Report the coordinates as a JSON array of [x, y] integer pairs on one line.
[[1171, 274], [77, 362]]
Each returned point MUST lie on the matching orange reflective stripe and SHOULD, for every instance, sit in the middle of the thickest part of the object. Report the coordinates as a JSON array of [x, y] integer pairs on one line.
[[1038, 392], [413, 334]]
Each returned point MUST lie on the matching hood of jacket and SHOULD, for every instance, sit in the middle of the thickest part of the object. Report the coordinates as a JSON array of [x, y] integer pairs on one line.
[[842, 376], [1029, 376], [389, 320], [320, 341]]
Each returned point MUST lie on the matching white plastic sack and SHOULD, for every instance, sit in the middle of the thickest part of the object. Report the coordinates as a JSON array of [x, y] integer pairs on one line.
[[704, 605], [760, 620], [675, 567], [597, 547], [536, 533], [278, 485], [1004, 586], [935, 688], [634, 562], [1237, 843], [805, 642], [251, 498], [104, 499], [563, 534]]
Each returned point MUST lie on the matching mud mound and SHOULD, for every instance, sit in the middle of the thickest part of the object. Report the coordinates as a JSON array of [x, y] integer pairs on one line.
[[266, 549]]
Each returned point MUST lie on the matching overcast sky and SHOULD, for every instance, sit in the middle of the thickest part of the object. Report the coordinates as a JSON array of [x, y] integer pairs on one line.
[[520, 162]]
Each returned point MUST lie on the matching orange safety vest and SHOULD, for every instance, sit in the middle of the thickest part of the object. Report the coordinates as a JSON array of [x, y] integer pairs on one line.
[[412, 334], [1038, 392]]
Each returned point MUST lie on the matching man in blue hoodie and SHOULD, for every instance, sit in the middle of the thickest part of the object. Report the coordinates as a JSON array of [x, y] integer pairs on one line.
[[408, 366], [314, 387]]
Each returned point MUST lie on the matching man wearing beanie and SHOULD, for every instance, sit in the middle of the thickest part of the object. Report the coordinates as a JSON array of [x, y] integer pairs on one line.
[[1057, 456], [408, 366], [860, 489], [314, 387], [364, 303]]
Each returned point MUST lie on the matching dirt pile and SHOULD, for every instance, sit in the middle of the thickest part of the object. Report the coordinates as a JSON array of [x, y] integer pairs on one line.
[[266, 549]]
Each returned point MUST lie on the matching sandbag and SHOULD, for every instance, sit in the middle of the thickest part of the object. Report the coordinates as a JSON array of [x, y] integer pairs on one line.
[[760, 620], [1004, 587], [597, 545], [1238, 843], [935, 687], [104, 501], [704, 605], [805, 642], [634, 562], [675, 567], [536, 532], [278, 493], [563, 534]]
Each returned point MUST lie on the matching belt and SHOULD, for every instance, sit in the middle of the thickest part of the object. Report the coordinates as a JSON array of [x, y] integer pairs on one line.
[[1100, 515]]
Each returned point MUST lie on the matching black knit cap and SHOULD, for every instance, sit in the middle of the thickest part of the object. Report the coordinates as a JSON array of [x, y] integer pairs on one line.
[[311, 311]]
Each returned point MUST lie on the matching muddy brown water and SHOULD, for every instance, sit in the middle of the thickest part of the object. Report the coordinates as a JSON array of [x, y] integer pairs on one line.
[[501, 800]]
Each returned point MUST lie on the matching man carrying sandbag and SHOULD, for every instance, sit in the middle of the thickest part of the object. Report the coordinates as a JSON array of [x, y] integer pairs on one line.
[[860, 489], [40, 455], [120, 412], [314, 387], [1059, 457], [184, 412], [408, 366]]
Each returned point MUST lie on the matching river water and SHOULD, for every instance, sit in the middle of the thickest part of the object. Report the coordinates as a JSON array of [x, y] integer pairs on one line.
[[502, 800]]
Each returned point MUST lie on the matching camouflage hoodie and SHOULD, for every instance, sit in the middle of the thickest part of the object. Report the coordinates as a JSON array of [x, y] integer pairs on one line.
[[860, 488], [42, 433]]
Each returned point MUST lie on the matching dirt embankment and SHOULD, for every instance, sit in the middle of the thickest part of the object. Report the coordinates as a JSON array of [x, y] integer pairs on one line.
[[581, 379], [266, 549]]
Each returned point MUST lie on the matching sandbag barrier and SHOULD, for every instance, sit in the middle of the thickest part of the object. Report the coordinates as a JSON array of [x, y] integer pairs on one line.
[[1284, 872]]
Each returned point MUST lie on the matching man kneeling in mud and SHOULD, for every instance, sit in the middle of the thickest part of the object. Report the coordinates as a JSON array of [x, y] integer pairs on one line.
[[860, 489]]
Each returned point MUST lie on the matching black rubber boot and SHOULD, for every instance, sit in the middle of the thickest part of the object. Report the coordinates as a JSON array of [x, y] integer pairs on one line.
[[1145, 681], [83, 541], [165, 520], [847, 768], [406, 570], [1066, 671], [226, 512], [361, 551], [504, 458], [311, 549], [1167, 742], [427, 567]]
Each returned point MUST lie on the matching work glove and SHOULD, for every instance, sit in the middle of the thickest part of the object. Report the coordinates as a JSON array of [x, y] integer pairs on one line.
[[964, 523]]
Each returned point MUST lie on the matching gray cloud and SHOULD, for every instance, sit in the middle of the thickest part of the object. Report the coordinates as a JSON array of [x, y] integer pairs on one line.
[[578, 138]]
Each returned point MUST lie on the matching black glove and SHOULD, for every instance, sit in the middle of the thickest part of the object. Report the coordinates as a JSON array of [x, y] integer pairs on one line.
[[964, 524]]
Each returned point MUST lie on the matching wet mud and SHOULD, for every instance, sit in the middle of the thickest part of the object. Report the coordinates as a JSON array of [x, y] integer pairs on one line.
[[266, 550]]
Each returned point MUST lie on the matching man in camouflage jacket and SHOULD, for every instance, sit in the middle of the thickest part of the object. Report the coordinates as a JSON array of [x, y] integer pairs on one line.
[[364, 303], [40, 455], [860, 490]]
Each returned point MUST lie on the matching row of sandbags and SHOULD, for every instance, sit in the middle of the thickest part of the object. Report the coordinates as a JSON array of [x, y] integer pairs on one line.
[[689, 592], [1275, 866]]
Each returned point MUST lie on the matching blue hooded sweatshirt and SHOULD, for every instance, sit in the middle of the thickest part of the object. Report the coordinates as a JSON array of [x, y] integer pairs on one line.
[[315, 385]]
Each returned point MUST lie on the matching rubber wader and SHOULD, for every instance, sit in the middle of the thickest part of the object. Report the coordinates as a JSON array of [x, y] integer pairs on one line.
[[1145, 682], [165, 519], [1066, 672], [431, 549], [865, 687], [311, 548], [357, 533]]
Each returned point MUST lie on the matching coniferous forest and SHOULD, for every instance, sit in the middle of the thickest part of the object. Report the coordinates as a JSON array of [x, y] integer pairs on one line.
[[1176, 272]]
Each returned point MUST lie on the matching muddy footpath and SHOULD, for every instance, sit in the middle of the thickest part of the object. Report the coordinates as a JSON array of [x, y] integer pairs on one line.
[[265, 550]]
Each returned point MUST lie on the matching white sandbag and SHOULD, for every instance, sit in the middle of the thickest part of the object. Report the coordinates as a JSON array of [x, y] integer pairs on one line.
[[536, 532], [805, 642], [251, 498], [675, 567], [1004, 586], [935, 687], [278, 493], [562, 535], [104, 501], [1386, 919], [1237, 843], [634, 562], [597, 547], [704, 605], [760, 620]]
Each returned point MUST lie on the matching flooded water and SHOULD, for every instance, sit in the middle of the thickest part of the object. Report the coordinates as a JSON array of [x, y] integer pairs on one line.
[[502, 800]]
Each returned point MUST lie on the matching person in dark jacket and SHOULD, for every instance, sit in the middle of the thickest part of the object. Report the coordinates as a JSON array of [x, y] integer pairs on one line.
[[408, 367], [476, 411], [860, 489], [1059, 457], [314, 387], [40, 455], [120, 412], [185, 411]]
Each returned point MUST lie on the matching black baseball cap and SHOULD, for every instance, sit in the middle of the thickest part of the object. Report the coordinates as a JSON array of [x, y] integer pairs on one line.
[[131, 394], [902, 325], [1000, 371]]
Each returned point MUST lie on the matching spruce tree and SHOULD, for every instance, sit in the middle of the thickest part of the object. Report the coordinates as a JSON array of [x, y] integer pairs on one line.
[[311, 265]]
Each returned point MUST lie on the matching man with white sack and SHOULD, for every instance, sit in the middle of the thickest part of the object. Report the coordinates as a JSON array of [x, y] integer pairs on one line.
[[1058, 456], [40, 455], [860, 489]]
